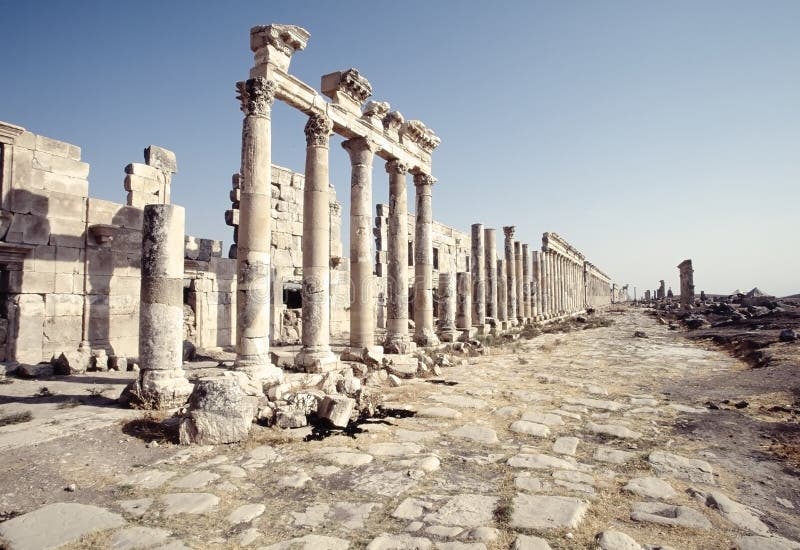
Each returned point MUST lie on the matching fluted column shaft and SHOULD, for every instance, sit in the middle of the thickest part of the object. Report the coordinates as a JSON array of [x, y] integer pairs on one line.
[[254, 232], [362, 304], [490, 247], [424, 334], [519, 281], [478, 275], [397, 338], [502, 291], [526, 281], [511, 281], [316, 352], [463, 300]]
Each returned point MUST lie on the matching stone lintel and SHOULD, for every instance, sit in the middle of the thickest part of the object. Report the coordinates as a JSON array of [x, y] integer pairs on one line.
[[303, 97], [9, 132]]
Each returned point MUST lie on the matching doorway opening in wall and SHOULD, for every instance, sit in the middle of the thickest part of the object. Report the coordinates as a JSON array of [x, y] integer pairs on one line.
[[436, 259], [292, 295], [410, 253], [466, 263]]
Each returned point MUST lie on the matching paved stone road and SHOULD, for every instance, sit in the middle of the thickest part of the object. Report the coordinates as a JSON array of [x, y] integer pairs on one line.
[[560, 442]]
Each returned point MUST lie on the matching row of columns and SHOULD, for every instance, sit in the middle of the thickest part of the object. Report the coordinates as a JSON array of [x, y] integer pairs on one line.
[[253, 259], [562, 281]]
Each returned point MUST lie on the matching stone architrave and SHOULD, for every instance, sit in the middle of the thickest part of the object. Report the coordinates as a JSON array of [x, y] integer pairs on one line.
[[397, 337], [463, 300], [511, 281], [254, 232], [490, 247], [478, 275], [518, 278], [447, 307], [502, 292], [162, 382], [362, 304], [526, 281], [687, 283], [316, 354], [424, 334]]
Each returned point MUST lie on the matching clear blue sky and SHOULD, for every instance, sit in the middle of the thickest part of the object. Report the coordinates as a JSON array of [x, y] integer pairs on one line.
[[643, 132]]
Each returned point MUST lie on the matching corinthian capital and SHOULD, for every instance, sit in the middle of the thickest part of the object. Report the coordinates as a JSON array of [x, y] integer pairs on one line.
[[396, 166], [256, 95], [509, 230], [424, 179], [318, 130]]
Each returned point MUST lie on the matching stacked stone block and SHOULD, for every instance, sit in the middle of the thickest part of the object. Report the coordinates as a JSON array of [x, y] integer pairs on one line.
[[149, 183]]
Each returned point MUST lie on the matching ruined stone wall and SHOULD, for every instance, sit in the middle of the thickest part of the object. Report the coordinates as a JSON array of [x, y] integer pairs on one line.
[[287, 255], [70, 263]]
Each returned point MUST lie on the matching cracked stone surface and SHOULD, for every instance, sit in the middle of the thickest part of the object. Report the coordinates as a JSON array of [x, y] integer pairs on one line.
[[580, 438]]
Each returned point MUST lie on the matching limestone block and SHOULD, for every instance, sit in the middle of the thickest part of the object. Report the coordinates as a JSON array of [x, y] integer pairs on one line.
[[61, 183], [29, 229], [336, 409], [70, 207], [58, 305], [26, 319], [142, 184], [22, 167], [68, 260], [24, 201], [67, 283], [60, 165], [72, 362], [31, 282], [140, 200], [62, 330], [26, 139], [44, 259], [37, 370], [145, 171], [57, 148], [219, 412], [160, 158], [65, 232]]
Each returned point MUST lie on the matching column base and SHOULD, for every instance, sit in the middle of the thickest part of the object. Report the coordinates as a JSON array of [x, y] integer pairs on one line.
[[398, 345], [504, 325], [449, 335], [482, 330], [425, 338], [467, 333], [160, 389], [316, 360], [369, 355], [269, 375]]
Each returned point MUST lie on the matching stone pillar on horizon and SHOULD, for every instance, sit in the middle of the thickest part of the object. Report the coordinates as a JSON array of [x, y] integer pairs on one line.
[[502, 292], [687, 284]]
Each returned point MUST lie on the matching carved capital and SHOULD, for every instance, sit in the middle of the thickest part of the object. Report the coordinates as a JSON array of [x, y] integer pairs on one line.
[[421, 179], [396, 166], [361, 150], [393, 121], [355, 85], [318, 130], [256, 95], [416, 132], [376, 108], [284, 38], [508, 231]]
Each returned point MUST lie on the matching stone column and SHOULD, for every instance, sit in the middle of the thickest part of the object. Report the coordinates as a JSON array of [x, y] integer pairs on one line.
[[511, 282], [537, 284], [478, 277], [447, 307], [526, 281], [687, 283], [490, 244], [424, 334], [502, 292], [316, 354], [519, 281], [397, 339], [551, 287], [162, 382], [464, 300], [362, 303], [254, 235]]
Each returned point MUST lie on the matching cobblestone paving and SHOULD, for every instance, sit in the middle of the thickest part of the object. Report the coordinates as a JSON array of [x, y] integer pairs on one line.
[[559, 442]]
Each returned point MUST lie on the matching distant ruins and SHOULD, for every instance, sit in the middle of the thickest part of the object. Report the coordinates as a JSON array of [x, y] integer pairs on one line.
[[89, 283]]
